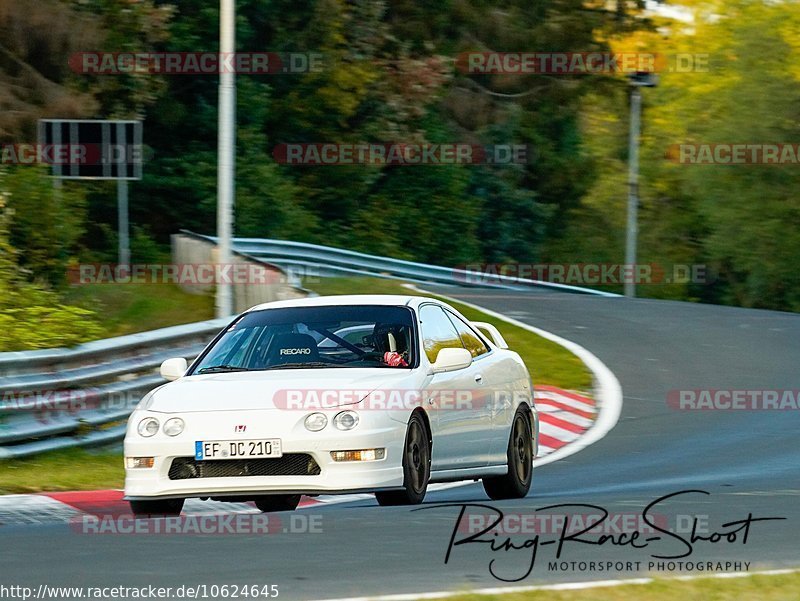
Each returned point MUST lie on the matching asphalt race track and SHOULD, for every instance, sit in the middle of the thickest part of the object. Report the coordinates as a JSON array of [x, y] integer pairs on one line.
[[749, 462]]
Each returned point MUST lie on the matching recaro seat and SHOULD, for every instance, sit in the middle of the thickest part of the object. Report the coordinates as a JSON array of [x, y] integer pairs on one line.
[[293, 348]]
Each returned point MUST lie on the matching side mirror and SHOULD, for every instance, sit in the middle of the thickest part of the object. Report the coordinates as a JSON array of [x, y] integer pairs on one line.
[[172, 369], [452, 359]]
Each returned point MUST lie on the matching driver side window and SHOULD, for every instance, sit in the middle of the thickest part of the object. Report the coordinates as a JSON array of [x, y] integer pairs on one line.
[[437, 331]]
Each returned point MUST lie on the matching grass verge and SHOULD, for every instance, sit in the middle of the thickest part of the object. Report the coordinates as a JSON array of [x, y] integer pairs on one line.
[[782, 587], [130, 308], [71, 469]]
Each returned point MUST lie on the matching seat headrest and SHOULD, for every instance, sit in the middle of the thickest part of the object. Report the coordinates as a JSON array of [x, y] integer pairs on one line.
[[381, 336]]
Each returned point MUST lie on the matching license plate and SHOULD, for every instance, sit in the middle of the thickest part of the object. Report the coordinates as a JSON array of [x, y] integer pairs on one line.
[[207, 450]]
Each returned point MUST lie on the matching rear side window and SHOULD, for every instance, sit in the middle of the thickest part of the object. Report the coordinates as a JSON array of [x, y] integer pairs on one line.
[[438, 331], [471, 341]]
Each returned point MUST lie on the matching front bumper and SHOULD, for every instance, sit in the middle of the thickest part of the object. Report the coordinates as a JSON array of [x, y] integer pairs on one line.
[[373, 431]]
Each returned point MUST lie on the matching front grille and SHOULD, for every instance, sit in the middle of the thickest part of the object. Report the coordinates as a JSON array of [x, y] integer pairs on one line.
[[291, 464]]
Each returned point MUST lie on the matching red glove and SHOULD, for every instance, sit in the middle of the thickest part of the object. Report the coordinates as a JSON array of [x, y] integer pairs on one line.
[[394, 359]]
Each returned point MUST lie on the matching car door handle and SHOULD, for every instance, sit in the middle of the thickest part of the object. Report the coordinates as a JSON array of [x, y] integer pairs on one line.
[[478, 378]]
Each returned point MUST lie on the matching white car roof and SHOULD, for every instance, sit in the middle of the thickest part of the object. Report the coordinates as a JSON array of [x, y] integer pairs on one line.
[[347, 299]]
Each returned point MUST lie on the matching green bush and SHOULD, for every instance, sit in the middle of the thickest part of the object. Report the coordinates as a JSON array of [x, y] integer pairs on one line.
[[46, 327], [32, 317]]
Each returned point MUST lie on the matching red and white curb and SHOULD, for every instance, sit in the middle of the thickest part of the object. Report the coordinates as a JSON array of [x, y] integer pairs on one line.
[[563, 417]]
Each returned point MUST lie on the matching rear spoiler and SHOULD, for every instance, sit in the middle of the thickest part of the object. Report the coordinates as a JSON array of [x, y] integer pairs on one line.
[[493, 332]]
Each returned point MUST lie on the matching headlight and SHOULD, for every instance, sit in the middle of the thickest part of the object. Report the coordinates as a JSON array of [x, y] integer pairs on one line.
[[148, 427], [173, 427], [346, 420], [316, 421]]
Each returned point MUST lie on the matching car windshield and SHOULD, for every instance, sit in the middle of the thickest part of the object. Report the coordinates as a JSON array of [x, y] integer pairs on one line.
[[314, 337]]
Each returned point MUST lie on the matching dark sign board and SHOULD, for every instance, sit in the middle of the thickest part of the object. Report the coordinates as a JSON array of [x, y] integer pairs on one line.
[[93, 149]]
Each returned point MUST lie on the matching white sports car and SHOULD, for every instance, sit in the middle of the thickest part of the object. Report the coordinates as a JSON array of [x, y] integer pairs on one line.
[[382, 394]]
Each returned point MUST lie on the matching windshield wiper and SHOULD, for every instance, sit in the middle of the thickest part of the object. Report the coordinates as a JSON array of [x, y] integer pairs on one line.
[[300, 364], [220, 368]]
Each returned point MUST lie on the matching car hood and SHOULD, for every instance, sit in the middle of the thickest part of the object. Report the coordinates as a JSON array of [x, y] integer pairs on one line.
[[299, 389]]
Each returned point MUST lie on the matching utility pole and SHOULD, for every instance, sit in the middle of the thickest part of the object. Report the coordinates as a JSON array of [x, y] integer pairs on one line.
[[637, 80], [124, 251], [226, 153]]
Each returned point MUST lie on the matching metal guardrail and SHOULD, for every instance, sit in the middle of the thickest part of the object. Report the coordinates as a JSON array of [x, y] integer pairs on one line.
[[330, 261], [61, 398]]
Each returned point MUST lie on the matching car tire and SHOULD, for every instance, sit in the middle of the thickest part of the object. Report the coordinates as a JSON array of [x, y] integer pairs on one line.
[[517, 482], [157, 508], [269, 503], [416, 467]]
